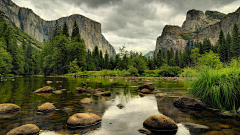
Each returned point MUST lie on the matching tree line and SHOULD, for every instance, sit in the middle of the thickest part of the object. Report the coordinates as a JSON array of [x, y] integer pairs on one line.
[[66, 53]]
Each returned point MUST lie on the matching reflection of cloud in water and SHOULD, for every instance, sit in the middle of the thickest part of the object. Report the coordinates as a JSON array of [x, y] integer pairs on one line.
[[129, 119]]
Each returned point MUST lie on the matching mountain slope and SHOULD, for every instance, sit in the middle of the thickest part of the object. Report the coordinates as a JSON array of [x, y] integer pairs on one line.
[[20, 34], [149, 54], [197, 27], [38, 28]]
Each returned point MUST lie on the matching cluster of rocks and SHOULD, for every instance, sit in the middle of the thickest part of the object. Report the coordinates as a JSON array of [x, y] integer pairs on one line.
[[148, 88], [78, 120], [97, 92]]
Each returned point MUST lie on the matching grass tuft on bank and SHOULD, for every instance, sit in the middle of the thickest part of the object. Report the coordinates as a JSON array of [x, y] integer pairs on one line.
[[217, 87]]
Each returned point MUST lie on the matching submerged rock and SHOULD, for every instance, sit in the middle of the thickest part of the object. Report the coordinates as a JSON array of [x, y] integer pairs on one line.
[[141, 94], [159, 122], [46, 89], [145, 91], [28, 129], [144, 131], [148, 86], [86, 101], [58, 92], [159, 95], [80, 90], [59, 81], [80, 120], [190, 103], [105, 93], [120, 106], [49, 82], [46, 108], [8, 108], [213, 133], [67, 110]]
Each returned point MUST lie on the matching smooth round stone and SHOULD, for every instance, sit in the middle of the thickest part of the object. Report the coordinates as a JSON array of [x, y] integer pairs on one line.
[[8, 108], [83, 120], [28, 129]]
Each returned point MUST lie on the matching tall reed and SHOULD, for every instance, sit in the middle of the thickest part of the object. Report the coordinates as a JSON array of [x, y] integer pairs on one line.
[[218, 88]]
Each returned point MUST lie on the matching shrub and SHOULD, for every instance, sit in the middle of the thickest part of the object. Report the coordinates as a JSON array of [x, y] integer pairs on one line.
[[189, 72], [123, 73], [168, 71], [132, 70]]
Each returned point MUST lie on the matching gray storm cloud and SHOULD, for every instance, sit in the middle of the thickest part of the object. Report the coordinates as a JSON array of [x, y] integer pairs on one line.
[[135, 23]]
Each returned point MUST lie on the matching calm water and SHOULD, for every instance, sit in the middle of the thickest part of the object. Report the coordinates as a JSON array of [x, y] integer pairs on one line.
[[115, 121]]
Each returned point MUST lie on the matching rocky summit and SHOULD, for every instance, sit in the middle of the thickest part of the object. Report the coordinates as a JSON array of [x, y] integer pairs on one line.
[[38, 28], [197, 26]]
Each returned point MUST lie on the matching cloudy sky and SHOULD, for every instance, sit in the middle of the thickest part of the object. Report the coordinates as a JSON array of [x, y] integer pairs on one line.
[[133, 23]]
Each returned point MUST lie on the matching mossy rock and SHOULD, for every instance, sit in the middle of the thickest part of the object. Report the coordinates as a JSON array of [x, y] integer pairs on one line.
[[81, 120], [8, 108], [160, 122], [46, 89], [86, 101], [145, 91], [28, 129], [46, 108]]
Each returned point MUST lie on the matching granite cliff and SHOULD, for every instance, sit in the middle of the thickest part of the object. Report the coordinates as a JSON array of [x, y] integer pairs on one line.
[[38, 28], [196, 27]]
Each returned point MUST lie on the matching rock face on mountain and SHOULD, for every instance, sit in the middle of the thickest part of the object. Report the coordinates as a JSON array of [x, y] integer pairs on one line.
[[38, 28], [197, 20], [171, 38], [197, 27]]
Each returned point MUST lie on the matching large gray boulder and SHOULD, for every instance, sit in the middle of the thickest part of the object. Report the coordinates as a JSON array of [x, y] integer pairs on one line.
[[28, 129], [189, 102]]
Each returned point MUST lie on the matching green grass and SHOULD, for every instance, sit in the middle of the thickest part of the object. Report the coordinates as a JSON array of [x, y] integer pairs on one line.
[[217, 88]]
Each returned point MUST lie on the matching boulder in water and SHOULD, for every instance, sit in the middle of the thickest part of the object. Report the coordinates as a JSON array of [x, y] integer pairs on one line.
[[159, 122], [148, 86], [86, 101], [46, 108], [81, 120], [8, 108], [46, 89], [28, 129], [190, 103]]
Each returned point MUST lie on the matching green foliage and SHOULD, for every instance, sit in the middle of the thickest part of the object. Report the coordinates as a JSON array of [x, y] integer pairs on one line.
[[65, 30], [73, 67], [195, 55], [234, 46], [124, 73], [140, 64], [188, 36], [210, 60], [75, 30], [168, 71], [218, 88], [189, 72], [133, 71]]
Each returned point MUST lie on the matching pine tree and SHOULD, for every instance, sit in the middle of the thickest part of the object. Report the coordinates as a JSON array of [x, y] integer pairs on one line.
[[222, 48], [65, 30], [228, 45], [168, 56], [75, 30], [177, 57], [171, 53], [55, 32], [206, 46], [106, 60], [234, 47]]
